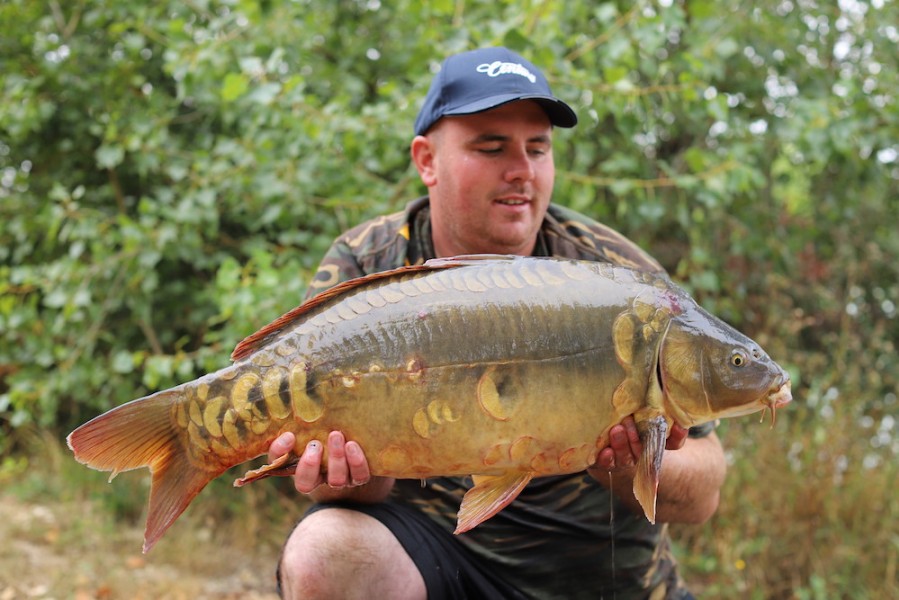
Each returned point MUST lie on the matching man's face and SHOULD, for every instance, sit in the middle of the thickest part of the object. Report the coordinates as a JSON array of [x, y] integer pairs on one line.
[[490, 177]]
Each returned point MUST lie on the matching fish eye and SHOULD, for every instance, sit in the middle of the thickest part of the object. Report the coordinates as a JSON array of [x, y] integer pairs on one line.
[[738, 359]]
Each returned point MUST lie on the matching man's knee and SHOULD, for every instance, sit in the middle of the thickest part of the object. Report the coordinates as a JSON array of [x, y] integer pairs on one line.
[[344, 553]]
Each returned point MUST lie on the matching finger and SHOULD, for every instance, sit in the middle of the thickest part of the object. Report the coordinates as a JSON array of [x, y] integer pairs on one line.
[[308, 475], [357, 463], [633, 437], [338, 471], [606, 459], [283, 444], [621, 446], [677, 438]]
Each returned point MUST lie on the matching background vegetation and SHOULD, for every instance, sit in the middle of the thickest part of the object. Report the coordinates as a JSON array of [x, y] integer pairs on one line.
[[171, 172]]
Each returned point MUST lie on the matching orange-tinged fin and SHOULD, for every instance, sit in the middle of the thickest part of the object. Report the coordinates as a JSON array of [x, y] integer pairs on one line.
[[175, 484], [283, 466], [490, 495], [141, 434], [653, 435], [255, 341]]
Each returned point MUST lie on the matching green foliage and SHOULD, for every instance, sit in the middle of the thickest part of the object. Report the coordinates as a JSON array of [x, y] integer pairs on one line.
[[170, 173]]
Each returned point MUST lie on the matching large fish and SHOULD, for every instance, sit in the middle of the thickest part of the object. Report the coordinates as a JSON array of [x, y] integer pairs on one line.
[[505, 368]]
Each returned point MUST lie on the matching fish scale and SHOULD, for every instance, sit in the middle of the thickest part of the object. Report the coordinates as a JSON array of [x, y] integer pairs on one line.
[[505, 368]]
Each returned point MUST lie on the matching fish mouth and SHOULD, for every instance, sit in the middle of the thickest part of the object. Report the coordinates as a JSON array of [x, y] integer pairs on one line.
[[776, 399]]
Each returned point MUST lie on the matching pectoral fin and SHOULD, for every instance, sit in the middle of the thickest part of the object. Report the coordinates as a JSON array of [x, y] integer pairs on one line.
[[489, 496], [653, 435]]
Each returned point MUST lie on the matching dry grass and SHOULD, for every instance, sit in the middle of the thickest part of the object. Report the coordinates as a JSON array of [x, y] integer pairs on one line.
[[72, 550], [806, 513], [70, 535]]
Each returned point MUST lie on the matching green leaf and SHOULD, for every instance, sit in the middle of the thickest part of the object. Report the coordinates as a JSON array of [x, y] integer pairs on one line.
[[122, 362], [727, 47], [234, 86], [109, 156], [264, 94]]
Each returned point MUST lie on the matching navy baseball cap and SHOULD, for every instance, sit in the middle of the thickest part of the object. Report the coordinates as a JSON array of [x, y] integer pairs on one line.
[[475, 81]]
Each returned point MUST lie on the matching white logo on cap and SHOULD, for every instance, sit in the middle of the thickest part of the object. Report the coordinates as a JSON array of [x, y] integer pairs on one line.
[[497, 68]]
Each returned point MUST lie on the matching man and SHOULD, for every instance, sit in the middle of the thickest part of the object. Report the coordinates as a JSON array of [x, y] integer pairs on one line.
[[483, 148]]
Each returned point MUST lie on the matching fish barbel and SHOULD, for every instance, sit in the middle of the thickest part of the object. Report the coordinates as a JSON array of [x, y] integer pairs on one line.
[[506, 368]]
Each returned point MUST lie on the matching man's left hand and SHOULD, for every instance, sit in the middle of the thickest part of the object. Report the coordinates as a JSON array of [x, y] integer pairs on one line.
[[625, 448]]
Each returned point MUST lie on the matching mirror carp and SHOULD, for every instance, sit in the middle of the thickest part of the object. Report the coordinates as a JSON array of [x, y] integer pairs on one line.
[[504, 368]]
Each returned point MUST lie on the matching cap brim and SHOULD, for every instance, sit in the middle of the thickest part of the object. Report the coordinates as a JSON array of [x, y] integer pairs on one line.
[[559, 113]]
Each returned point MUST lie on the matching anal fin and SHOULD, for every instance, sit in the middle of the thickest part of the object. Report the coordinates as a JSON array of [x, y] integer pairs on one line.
[[489, 495], [283, 466]]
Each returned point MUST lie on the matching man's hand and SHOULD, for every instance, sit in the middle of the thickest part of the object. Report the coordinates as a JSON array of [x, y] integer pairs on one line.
[[691, 479], [624, 447], [347, 470]]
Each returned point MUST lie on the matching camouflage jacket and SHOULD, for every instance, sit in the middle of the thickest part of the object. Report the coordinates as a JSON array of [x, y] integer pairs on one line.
[[564, 536]]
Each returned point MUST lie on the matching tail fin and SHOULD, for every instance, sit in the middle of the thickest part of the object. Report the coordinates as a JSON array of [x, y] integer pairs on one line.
[[142, 433]]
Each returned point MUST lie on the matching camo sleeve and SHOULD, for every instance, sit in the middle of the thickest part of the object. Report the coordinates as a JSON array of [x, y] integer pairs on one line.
[[574, 235], [371, 247], [338, 264]]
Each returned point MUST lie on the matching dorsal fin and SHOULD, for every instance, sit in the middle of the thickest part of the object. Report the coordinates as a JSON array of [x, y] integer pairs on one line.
[[468, 259], [255, 341]]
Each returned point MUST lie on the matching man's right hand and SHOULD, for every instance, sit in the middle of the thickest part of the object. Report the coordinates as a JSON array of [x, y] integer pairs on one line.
[[347, 469]]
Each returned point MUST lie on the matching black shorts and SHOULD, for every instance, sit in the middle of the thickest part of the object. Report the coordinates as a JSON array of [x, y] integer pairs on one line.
[[450, 570]]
